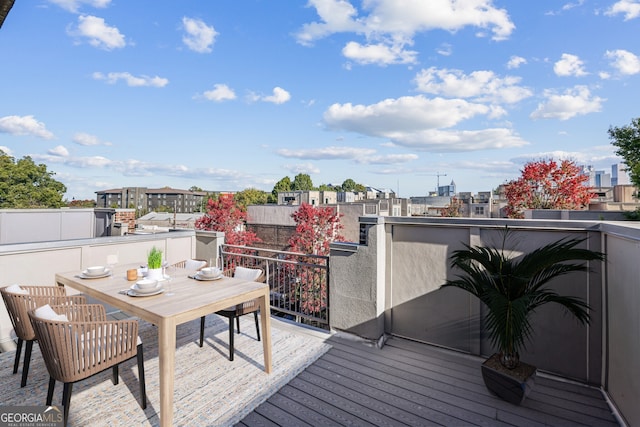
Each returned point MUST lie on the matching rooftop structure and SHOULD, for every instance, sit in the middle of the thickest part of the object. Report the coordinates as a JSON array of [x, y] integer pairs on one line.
[[387, 288]]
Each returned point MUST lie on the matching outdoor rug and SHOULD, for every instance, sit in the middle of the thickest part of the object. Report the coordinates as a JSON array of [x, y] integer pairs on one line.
[[209, 389]]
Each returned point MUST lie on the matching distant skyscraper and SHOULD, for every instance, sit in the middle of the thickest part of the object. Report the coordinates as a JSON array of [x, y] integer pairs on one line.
[[618, 175], [447, 190]]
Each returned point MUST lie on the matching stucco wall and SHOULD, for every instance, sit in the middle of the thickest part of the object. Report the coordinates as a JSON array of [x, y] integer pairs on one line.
[[37, 263]]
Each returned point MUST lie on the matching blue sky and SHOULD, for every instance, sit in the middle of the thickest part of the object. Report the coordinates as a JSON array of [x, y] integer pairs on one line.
[[231, 94]]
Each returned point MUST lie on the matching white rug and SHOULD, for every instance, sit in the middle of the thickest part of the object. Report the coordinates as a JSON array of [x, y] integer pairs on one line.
[[209, 389]]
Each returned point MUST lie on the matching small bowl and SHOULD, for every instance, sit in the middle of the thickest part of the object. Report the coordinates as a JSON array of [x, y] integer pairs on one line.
[[95, 270], [146, 284], [209, 272]]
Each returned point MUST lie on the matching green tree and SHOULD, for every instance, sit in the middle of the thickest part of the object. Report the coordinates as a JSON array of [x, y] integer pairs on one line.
[[328, 187], [195, 188], [350, 185], [88, 203], [627, 140], [283, 185], [302, 182], [251, 196], [23, 184]]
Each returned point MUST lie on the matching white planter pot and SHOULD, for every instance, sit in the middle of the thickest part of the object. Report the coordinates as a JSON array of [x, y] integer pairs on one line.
[[155, 274]]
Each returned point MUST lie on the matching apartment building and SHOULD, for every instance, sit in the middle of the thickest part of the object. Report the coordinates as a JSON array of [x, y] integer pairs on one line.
[[152, 199]]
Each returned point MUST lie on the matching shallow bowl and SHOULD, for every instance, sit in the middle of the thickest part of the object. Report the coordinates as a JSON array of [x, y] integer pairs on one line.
[[210, 272], [146, 284], [95, 270]]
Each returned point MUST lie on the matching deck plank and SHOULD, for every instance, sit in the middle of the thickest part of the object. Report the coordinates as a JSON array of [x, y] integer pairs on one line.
[[410, 383]]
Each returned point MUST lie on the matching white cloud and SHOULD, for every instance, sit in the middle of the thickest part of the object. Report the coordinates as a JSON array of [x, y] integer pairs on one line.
[[409, 113], [326, 153], [199, 36], [60, 151], [131, 80], [6, 150], [445, 49], [630, 9], [564, 8], [24, 125], [596, 155], [398, 20], [388, 25], [516, 62], [280, 96], [86, 139], [387, 159], [569, 65], [74, 5], [624, 61], [76, 162], [220, 92], [358, 155], [569, 6], [480, 85], [380, 54], [336, 16], [416, 121], [307, 168], [573, 102], [435, 140], [100, 35]]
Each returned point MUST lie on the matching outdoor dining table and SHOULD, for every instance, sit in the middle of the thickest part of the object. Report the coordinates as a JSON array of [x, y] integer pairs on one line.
[[189, 300]]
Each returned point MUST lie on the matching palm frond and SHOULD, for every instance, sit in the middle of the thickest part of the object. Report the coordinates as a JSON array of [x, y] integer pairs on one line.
[[513, 287]]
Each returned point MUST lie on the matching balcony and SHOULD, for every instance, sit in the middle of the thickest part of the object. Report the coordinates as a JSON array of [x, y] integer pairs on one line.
[[386, 290]]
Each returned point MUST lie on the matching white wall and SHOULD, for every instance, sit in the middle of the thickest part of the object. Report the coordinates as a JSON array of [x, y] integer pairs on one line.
[[37, 263]]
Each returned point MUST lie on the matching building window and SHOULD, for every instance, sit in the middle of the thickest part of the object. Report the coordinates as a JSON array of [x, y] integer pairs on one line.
[[479, 210]]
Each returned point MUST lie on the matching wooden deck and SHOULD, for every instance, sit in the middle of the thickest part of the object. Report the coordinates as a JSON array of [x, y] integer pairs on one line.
[[408, 383]]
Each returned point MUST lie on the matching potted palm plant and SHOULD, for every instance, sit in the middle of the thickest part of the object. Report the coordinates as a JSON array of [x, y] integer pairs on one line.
[[512, 288]]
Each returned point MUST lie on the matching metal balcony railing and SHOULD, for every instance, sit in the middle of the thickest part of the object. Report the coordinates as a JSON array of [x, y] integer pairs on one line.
[[298, 283]]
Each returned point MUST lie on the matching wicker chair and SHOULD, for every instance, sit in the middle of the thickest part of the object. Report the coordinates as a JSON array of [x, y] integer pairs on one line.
[[19, 304], [85, 345], [196, 264], [234, 313]]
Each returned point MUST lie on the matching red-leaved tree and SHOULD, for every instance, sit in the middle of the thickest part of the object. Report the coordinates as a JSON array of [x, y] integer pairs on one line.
[[227, 216], [547, 185], [454, 209], [316, 228]]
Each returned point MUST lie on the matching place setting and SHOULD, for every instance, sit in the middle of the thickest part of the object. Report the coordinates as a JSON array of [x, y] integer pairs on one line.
[[208, 273], [145, 288], [95, 272]]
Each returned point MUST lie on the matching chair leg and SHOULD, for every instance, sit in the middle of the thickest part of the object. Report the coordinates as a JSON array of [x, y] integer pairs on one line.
[[143, 385], [27, 360], [52, 386], [16, 363], [66, 400], [238, 324], [202, 330], [231, 338], [115, 377], [255, 316]]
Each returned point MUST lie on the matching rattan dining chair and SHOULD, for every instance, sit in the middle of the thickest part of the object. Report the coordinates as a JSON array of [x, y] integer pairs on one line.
[[191, 264], [18, 304], [234, 313], [84, 345]]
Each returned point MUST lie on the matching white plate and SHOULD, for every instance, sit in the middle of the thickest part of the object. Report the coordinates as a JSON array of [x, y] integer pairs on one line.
[[133, 293], [84, 275], [199, 277], [141, 291]]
